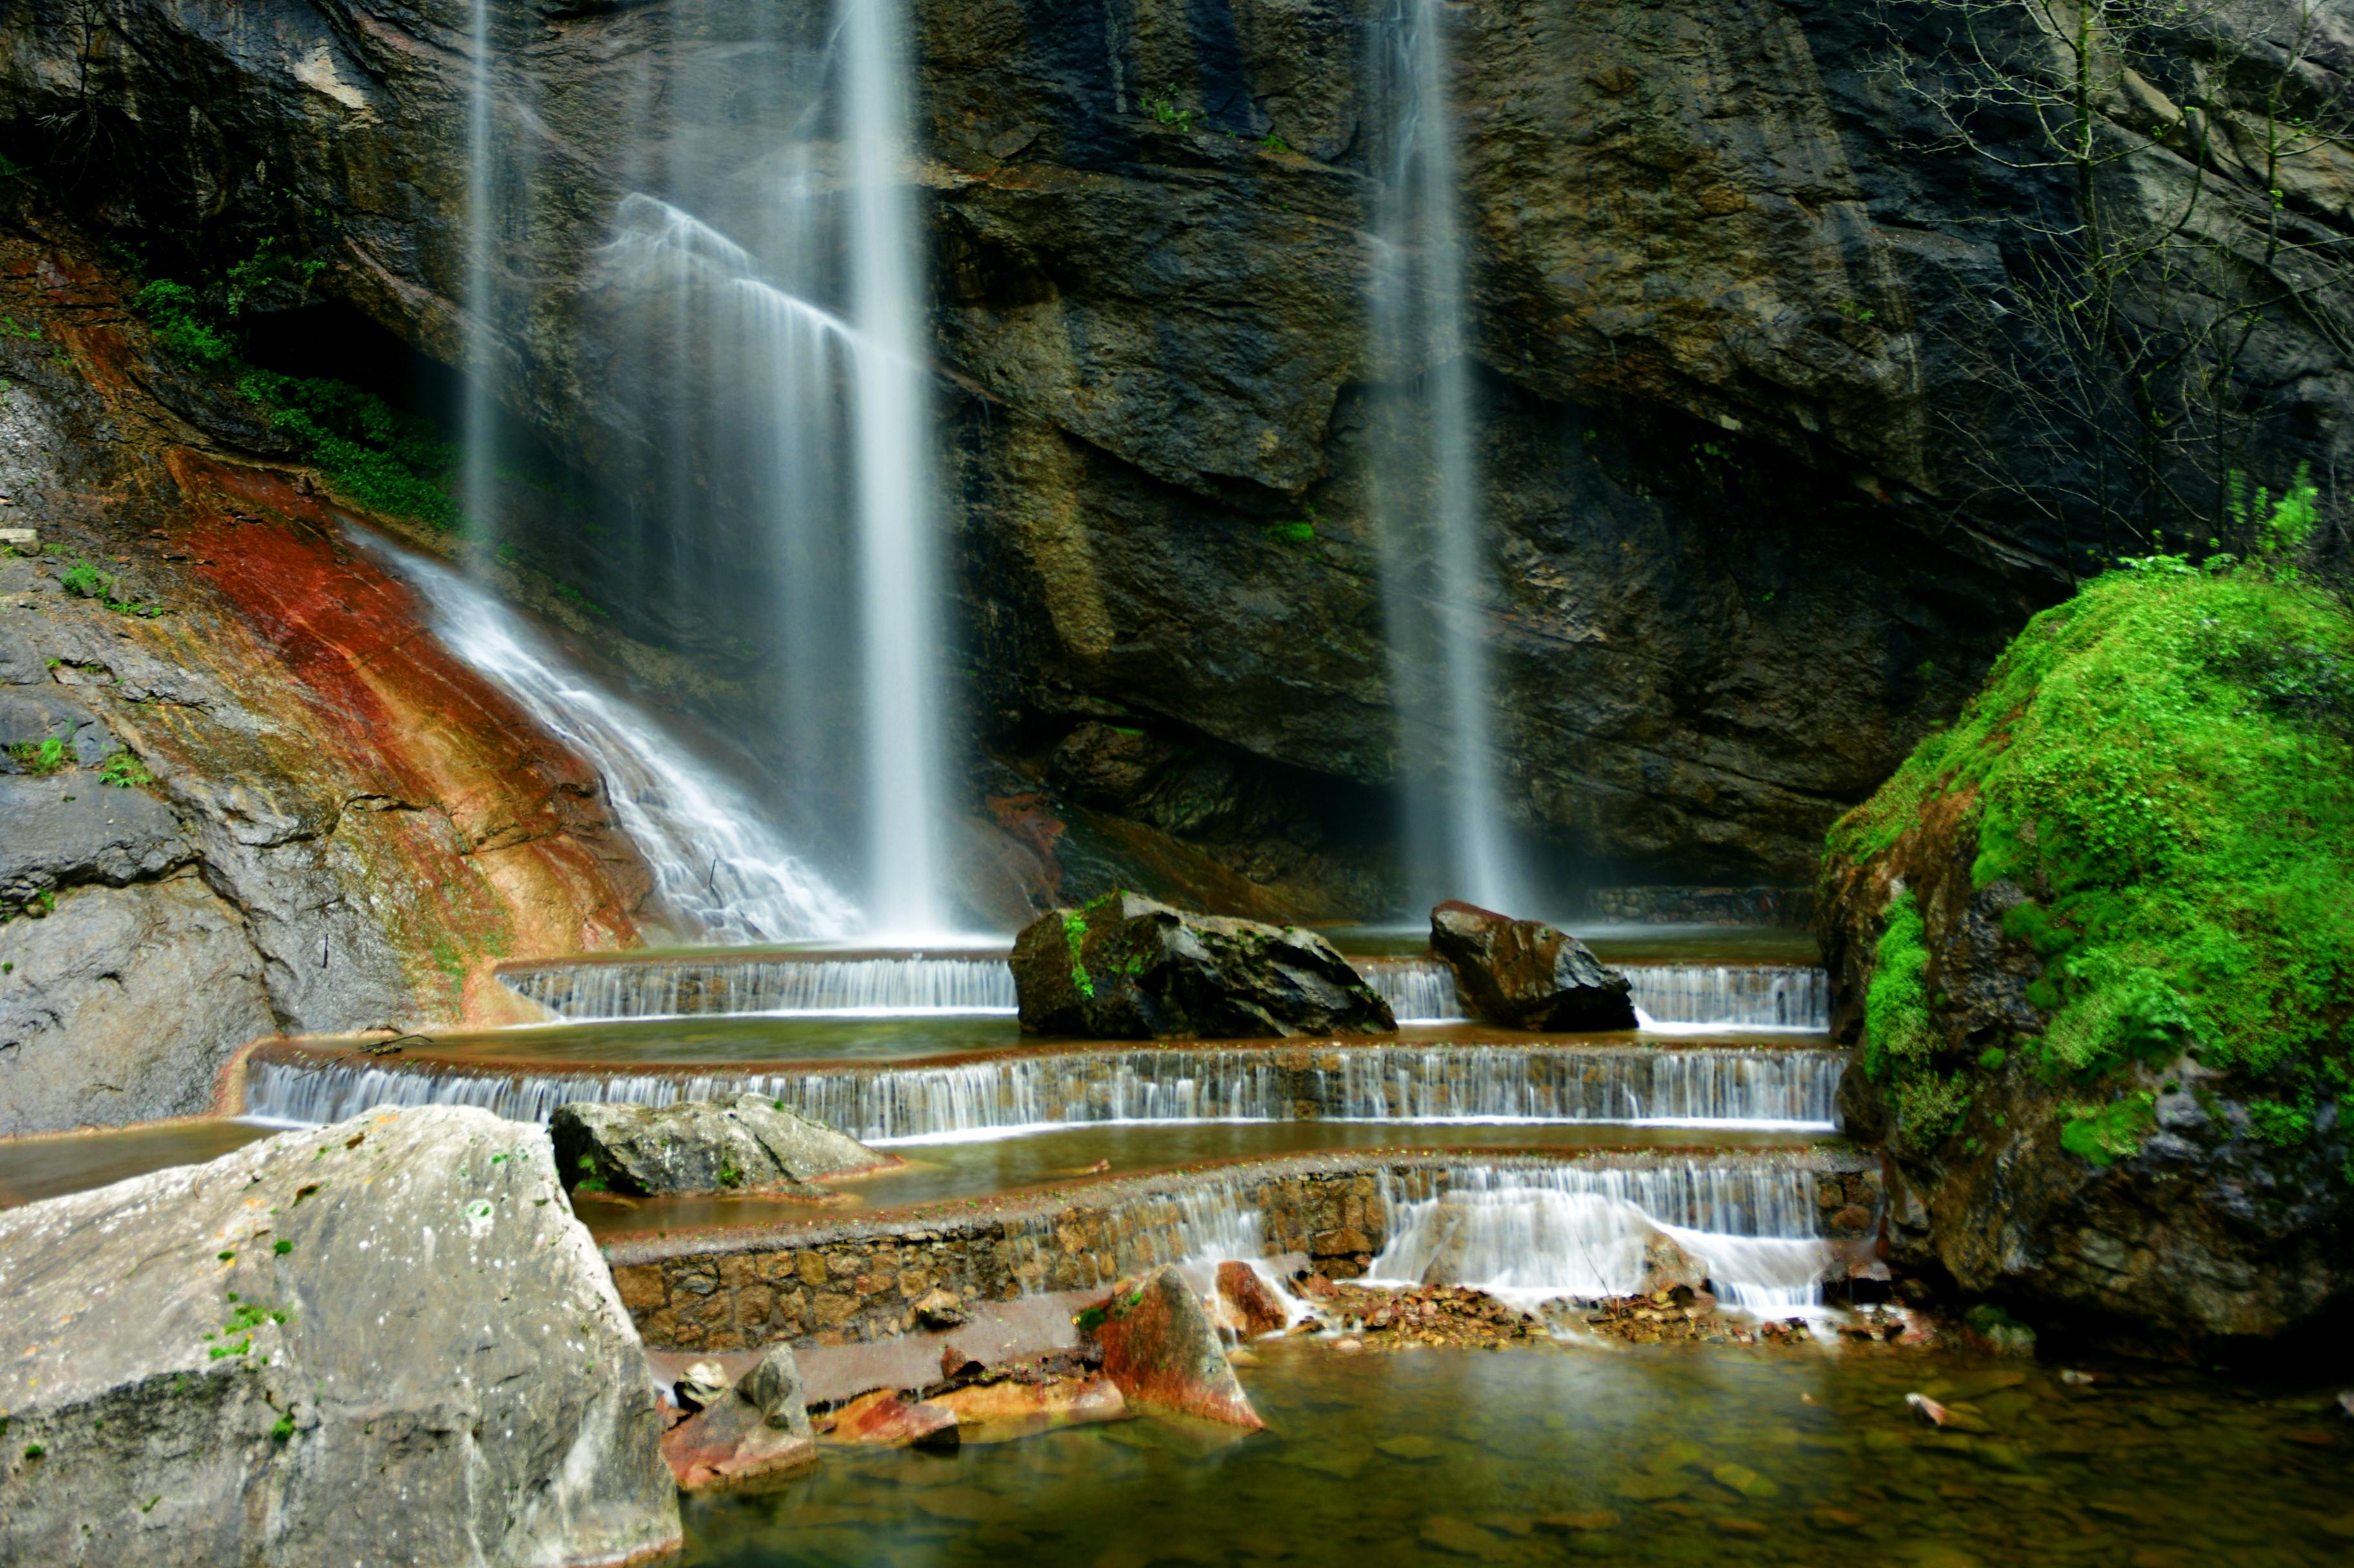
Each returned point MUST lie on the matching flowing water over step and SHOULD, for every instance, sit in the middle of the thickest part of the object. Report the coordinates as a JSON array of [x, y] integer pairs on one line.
[[999, 1094], [872, 985], [1418, 989]]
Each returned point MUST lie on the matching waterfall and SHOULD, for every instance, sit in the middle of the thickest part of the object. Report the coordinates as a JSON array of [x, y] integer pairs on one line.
[[1783, 1090], [1670, 997], [898, 529], [715, 864], [894, 986], [752, 336], [1419, 990], [1580, 1230], [1436, 578]]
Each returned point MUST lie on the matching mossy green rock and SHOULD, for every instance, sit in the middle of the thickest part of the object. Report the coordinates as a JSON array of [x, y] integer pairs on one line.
[[1130, 968], [2094, 944]]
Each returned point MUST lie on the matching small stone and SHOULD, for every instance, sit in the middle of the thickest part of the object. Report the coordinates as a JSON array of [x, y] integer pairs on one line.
[[1748, 1527], [1460, 1537], [1836, 1518], [939, 1309], [1591, 1520], [1412, 1445]]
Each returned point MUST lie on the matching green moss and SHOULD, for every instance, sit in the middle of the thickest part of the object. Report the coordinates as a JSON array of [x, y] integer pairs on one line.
[[1898, 1032], [2107, 1133], [1075, 936], [2165, 765]]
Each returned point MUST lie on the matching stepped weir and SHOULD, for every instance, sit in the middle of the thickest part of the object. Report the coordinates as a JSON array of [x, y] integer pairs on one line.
[[1002, 1094], [1420, 991]]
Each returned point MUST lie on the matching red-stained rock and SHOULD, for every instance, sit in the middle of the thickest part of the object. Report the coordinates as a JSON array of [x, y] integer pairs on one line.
[[1254, 1305], [1001, 1412], [1160, 1349], [728, 1442], [884, 1420]]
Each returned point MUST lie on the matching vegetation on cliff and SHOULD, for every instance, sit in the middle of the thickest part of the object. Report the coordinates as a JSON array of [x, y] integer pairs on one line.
[[373, 455], [2164, 765]]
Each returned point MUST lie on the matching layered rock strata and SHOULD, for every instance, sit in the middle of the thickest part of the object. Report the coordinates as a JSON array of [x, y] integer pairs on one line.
[[273, 802]]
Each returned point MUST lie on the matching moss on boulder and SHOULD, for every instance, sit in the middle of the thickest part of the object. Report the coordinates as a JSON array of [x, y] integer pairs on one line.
[[2094, 943]]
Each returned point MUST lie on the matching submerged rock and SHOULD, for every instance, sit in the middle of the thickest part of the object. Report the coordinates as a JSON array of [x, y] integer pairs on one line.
[[1129, 968], [884, 1420], [1160, 1349], [387, 1340], [747, 1144], [1526, 975], [1012, 1408]]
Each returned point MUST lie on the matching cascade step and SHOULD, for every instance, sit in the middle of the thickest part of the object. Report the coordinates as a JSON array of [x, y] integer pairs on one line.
[[1420, 991], [1785, 1087]]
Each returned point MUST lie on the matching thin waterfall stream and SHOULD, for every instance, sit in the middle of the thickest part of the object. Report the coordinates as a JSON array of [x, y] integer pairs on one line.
[[1437, 582]]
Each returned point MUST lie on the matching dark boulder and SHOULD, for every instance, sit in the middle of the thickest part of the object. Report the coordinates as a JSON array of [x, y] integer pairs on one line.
[[1127, 968], [1526, 975], [747, 1145]]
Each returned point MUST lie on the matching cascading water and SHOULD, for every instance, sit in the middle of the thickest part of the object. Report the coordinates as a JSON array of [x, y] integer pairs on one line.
[[1582, 1230], [1436, 580], [1783, 1090], [895, 986], [716, 866], [755, 316]]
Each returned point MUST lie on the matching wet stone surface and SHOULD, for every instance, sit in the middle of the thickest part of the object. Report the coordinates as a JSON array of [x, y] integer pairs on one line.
[[1803, 1454]]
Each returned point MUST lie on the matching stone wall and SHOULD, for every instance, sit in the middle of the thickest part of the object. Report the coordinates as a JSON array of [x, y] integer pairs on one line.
[[837, 1281]]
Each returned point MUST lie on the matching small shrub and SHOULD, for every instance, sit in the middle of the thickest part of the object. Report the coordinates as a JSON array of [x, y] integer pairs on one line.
[[85, 581], [41, 757], [124, 771], [2106, 1134]]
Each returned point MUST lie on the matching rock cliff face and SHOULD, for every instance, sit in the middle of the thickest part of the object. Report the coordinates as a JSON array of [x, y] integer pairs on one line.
[[243, 790], [1722, 302]]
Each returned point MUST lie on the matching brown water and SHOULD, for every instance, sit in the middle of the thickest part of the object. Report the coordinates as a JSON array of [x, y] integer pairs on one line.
[[1645, 1456], [979, 1170], [32, 1169]]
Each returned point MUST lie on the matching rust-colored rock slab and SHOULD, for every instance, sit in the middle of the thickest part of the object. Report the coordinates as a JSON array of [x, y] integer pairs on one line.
[[1160, 1348]]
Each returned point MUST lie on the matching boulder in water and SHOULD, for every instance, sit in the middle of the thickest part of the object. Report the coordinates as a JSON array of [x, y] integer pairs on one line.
[[1526, 975], [747, 1144], [1160, 1349], [755, 1428], [387, 1340], [1129, 968]]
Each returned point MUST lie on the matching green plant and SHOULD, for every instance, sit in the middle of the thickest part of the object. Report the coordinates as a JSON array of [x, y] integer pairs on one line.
[[2107, 1133], [85, 581], [1301, 533], [41, 757], [123, 771], [1162, 107], [282, 1247], [11, 327], [1075, 936], [1274, 143], [372, 454], [729, 1176], [282, 1429]]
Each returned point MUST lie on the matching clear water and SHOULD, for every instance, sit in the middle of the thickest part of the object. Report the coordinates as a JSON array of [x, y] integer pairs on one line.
[[1578, 1453]]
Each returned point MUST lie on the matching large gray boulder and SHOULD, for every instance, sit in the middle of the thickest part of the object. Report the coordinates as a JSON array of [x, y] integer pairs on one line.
[[1129, 968], [1526, 975], [384, 1341], [74, 827], [747, 1144], [123, 1005]]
